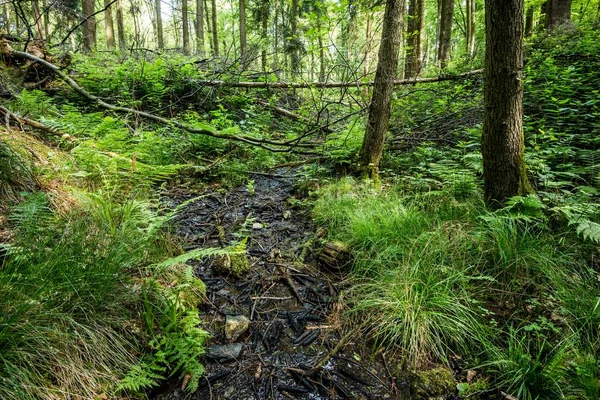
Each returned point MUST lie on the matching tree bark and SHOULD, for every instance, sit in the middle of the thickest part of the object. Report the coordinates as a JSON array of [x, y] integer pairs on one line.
[[46, 17], [529, 21], [215, 31], [6, 19], [368, 43], [160, 38], [414, 39], [109, 26], [89, 27], [502, 142], [558, 12], [470, 27], [379, 109], [264, 15], [199, 27], [294, 45], [186, 27], [209, 27], [445, 32], [121, 25], [37, 15], [242, 11]]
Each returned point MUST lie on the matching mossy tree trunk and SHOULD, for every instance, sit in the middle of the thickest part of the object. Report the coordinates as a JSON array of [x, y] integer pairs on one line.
[[379, 109], [502, 141], [558, 12], [445, 32], [186, 27], [414, 39], [109, 29], [199, 27], [121, 25], [159, 25], [89, 27]]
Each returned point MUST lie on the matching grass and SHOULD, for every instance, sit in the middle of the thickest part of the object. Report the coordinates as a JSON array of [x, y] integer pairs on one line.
[[438, 276]]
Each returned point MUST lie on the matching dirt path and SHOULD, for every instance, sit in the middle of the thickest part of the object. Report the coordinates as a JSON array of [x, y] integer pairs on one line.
[[290, 302]]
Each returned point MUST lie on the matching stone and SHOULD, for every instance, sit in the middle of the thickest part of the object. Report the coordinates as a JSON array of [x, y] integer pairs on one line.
[[257, 226], [235, 326], [228, 352]]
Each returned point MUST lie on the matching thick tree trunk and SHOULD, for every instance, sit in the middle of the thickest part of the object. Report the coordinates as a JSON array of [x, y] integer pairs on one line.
[[379, 109], [502, 142], [89, 27], [529, 21], [160, 39], [414, 39], [445, 32], [199, 27], [470, 27], [558, 12], [243, 55], [121, 25], [215, 31], [108, 25], [186, 27], [6, 19]]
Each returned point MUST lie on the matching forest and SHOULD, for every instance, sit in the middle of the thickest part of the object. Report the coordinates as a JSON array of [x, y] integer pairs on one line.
[[299, 199]]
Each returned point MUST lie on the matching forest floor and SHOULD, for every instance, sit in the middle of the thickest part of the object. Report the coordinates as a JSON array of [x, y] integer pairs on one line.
[[292, 303]]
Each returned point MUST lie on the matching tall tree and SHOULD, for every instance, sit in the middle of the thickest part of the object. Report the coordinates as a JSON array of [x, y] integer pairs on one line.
[[502, 142], [529, 21], [558, 12], [294, 44], [199, 27], [414, 39], [121, 25], [215, 31], [379, 109], [38, 21], [186, 27], [89, 26], [160, 38], [6, 19], [470, 22], [108, 25], [446, 8], [242, 12]]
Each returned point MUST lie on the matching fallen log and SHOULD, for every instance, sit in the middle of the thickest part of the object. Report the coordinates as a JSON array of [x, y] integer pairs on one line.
[[267, 144], [331, 85], [292, 116]]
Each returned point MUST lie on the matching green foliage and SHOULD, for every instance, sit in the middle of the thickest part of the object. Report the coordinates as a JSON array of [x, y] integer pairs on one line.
[[15, 174]]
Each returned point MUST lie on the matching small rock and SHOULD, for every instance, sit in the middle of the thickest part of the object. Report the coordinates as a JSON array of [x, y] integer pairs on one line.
[[257, 225], [229, 352], [236, 326], [287, 214]]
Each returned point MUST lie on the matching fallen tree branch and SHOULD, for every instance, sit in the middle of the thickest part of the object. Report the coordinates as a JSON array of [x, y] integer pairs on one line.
[[27, 121], [292, 116], [329, 85], [263, 143]]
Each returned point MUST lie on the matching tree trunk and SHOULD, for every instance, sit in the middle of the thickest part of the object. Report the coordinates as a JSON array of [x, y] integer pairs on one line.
[[109, 26], [215, 31], [243, 55], [160, 39], [529, 21], [37, 15], [368, 43], [502, 142], [209, 27], [470, 27], [89, 27], [199, 27], [379, 109], [186, 27], [6, 19], [295, 40], [445, 32], [121, 25], [46, 17], [558, 12], [414, 39]]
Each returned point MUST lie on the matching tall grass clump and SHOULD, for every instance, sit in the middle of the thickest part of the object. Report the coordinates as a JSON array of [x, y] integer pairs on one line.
[[412, 273], [68, 298]]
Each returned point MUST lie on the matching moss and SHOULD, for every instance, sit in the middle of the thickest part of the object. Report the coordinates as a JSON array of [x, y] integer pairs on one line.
[[475, 390], [234, 263], [435, 383]]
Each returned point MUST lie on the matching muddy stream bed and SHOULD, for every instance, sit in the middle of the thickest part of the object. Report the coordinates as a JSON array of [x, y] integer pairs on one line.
[[290, 301]]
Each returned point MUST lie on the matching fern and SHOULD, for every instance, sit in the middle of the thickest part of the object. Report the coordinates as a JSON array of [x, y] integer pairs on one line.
[[142, 377], [589, 230]]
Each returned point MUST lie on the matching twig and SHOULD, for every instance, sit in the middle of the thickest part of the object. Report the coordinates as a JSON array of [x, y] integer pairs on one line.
[[263, 143]]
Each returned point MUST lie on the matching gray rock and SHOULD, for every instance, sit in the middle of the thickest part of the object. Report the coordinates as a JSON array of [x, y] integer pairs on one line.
[[228, 352], [235, 326], [257, 226]]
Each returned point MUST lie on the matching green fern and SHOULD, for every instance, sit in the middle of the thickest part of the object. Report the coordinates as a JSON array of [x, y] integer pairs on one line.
[[142, 377]]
